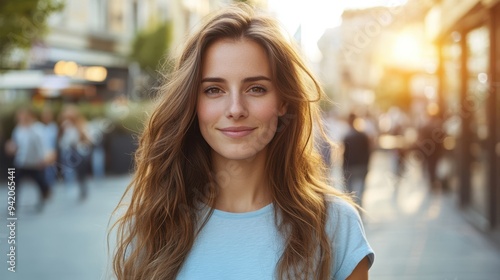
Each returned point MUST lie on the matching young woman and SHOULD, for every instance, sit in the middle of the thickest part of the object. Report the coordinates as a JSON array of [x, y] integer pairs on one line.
[[228, 184]]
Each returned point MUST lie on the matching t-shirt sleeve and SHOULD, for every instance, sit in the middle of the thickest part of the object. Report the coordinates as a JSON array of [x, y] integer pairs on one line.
[[349, 243]]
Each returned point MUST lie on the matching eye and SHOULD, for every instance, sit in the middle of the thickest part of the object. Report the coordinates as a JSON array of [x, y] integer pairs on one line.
[[213, 91], [257, 89]]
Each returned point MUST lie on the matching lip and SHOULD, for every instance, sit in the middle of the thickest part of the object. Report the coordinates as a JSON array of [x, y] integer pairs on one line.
[[237, 131]]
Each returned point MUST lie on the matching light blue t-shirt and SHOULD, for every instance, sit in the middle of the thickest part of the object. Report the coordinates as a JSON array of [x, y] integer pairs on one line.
[[243, 246]]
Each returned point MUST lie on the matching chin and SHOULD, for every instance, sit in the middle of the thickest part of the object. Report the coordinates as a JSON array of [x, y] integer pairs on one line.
[[236, 156], [240, 152]]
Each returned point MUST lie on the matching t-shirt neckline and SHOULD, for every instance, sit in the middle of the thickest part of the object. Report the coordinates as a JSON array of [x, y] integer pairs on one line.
[[242, 215]]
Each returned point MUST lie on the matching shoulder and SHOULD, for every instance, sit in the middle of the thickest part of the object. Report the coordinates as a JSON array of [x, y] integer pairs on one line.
[[339, 210], [343, 221], [16, 130], [38, 127], [347, 234]]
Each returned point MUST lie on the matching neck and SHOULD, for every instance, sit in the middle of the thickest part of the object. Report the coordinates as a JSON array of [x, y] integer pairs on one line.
[[242, 184]]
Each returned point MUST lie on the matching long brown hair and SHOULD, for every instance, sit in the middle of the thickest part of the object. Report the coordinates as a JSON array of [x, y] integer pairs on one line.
[[173, 166]]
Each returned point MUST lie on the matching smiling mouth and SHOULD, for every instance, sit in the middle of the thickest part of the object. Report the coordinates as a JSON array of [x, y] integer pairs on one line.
[[237, 132]]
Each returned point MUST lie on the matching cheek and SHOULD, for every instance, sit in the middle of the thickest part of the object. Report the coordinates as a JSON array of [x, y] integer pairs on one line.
[[206, 112], [268, 114]]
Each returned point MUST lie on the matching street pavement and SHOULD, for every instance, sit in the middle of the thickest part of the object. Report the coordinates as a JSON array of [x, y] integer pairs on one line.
[[418, 234], [68, 239], [415, 234]]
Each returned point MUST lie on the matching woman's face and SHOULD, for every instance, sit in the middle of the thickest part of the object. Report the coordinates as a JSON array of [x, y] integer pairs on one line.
[[238, 104]]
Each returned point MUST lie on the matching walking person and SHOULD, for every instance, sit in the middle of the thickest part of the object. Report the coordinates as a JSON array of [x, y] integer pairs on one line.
[[356, 159], [29, 154], [430, 142], [229, 183], [98, 155], [49, 134], [75, 146], [399, 152]]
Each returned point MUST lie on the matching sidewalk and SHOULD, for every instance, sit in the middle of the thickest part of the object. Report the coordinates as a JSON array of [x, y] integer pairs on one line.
[[67, 240], [422, 235]]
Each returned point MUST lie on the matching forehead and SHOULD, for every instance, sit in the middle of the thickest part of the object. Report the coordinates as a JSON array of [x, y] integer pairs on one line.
[[235, 56]]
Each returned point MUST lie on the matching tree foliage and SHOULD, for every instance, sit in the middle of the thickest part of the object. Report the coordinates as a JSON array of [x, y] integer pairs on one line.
[[150, 47], [21, 24]]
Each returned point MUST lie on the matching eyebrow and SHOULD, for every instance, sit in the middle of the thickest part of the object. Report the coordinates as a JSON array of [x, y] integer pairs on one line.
[[246, 80]]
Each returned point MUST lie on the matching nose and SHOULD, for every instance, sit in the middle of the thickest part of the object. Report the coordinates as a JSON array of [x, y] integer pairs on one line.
[[236, 108]]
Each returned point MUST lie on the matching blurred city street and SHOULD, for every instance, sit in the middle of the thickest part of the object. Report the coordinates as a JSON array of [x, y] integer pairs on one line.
[[415, 234], [411, 102]]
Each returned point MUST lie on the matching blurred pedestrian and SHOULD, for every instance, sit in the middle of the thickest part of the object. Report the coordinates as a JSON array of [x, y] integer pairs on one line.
[[356, 159], [229, 183], [430, 143], [75, 147], [29, 155], [49, 139], [98, 155], [400, 152]]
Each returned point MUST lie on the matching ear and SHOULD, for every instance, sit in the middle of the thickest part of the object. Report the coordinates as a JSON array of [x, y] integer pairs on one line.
[[282, 109]]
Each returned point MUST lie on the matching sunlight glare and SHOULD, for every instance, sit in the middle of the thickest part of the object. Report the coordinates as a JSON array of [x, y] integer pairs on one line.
[[406, 48], [313, 17]]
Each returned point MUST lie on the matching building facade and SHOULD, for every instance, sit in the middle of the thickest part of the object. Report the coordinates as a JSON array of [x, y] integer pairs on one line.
[[467, 34]]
